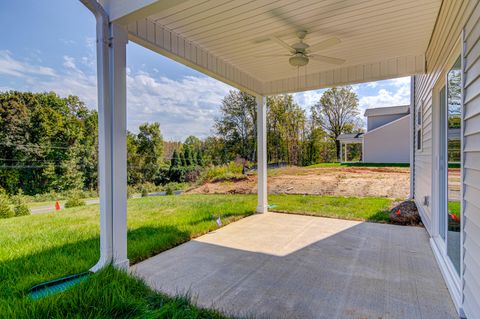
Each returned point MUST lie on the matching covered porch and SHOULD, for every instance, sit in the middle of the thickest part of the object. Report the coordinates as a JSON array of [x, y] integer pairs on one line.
[[272, 265], [261, 47], [289, 266]]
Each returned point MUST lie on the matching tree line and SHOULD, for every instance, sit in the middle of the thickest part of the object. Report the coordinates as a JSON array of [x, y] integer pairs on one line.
[[49, 143]]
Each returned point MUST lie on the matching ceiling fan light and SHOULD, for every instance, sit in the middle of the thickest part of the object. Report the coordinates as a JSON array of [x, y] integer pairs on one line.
[[298, 60]]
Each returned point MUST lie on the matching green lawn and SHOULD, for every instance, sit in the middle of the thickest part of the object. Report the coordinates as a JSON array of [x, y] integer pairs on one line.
[[360, 164], [43, 247], [355, 208]]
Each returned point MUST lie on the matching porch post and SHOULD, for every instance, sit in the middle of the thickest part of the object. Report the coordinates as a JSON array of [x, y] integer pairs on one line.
[[111, 71], [346, 152], [262, 206], [341, 152]]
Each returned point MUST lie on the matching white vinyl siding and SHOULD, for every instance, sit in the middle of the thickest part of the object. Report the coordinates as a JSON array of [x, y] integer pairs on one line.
[[471, 161], [450, 22]]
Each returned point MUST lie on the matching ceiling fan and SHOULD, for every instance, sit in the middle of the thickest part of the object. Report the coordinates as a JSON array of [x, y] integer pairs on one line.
[[301, 52]]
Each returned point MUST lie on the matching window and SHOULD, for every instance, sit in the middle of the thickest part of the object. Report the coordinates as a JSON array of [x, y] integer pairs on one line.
[[419, 140], [419, 127]]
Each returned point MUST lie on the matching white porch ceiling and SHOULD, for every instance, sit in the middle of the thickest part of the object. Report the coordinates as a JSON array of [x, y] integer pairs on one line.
[[222, 38]]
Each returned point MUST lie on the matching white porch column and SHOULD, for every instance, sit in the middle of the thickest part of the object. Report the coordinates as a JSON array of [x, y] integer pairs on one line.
[[112, 126], [341, 152], [262, 206], [346, 152]]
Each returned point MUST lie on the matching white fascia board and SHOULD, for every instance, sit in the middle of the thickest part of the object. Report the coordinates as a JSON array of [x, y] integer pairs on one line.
[[375, 71], [127, 11]]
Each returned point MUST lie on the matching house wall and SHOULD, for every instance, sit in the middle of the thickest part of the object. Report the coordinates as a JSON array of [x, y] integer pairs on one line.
[[471, 161], [375, 121], [454, 17], [451, 19], [389, 143]]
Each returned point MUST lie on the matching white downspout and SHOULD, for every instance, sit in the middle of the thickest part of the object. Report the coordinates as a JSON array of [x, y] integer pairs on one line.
[[111, 75]]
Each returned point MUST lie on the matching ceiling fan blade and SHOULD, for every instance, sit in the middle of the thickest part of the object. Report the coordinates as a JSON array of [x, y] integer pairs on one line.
[[324, 44], [323, 58], [271, 55], [280, 42]]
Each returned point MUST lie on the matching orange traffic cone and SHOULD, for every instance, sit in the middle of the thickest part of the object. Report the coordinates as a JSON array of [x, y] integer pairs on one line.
[[57, 205]]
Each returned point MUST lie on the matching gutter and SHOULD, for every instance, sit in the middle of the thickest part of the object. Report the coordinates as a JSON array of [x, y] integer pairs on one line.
[[103, 81]]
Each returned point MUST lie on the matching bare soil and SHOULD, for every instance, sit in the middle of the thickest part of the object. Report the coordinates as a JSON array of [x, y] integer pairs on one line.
[[391, 182]]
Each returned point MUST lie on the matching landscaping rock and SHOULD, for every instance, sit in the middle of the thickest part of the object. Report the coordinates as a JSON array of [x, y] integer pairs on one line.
[[405, 213]]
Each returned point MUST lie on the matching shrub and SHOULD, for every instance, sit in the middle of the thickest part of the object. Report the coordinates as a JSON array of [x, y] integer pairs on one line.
[[74, 201], [147, 188], [229, 172], [20, 206], [21, 210], [6, 210], [169, 189]]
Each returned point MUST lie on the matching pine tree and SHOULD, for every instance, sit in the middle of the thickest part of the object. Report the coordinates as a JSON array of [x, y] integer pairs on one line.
[[199, 158], [175, 161]]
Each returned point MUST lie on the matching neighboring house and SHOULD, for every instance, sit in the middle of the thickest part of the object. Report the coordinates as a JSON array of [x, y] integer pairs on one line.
[[434, 41], [387, 139]]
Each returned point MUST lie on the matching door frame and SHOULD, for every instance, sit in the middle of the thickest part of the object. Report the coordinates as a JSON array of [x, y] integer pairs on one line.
[[453, 280]]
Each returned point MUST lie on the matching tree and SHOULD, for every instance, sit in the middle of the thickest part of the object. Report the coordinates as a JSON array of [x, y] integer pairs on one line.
[[285, 129], [237, 124], [150, 149], [336, 112], [199, 159], [175, 161]]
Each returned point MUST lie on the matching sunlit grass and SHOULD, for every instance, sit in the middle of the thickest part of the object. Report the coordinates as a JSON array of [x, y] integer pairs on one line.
[[43, 247]]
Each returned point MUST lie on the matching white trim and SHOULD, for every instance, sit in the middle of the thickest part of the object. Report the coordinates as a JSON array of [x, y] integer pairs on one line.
[[462, 168], [452, 278], [112, 130], [446, 268], [412, 137], [262, 192]]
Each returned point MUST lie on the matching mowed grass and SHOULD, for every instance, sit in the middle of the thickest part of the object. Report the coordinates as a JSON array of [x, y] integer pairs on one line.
[[355, 208], [48, 246]]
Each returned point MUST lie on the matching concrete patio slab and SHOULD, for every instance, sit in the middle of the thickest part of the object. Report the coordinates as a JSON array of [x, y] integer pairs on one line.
[[290, 266]]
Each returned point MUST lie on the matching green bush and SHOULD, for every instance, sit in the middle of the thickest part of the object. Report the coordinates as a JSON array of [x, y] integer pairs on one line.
[[169, 190], [229, 172], [74, 202], [21, 209], [6, 210]]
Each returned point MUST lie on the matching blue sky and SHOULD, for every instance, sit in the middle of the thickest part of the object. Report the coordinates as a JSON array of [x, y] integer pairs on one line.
[[49, 45]]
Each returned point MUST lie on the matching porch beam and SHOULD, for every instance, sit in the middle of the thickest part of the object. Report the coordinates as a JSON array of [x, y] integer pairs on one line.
[[111, 72], [262, 194]]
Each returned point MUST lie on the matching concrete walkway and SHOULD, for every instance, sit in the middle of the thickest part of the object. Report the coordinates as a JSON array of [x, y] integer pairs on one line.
[[290, 266]]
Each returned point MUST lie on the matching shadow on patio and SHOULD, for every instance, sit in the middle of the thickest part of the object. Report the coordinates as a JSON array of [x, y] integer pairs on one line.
[[289, 266]]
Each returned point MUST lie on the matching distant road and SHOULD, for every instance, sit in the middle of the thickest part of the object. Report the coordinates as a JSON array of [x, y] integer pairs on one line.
[[51, 208]]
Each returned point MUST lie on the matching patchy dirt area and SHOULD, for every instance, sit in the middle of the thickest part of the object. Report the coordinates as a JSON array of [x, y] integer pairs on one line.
[[391, 182]]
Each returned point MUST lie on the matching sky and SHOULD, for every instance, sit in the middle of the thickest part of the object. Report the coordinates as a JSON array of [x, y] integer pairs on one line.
[[49, 45]]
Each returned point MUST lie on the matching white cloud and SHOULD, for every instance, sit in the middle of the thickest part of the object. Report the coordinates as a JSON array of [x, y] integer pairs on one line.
[[183, 107], [308, 98], [384, 97], [10, 66], [69, 62]]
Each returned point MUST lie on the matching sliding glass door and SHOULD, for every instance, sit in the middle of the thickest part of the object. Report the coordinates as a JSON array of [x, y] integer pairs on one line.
[[450, 167]]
